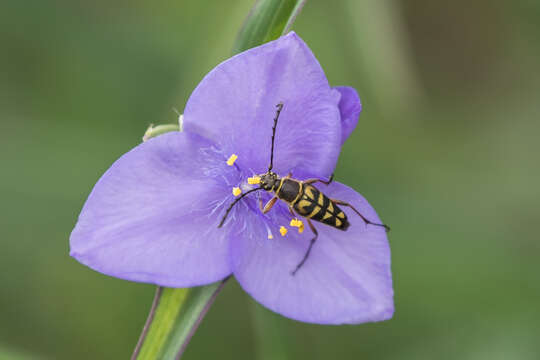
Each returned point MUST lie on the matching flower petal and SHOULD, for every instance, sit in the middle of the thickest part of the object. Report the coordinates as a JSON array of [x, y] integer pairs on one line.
[[150, 217], [235, 104], [346, 279], [350, 108]]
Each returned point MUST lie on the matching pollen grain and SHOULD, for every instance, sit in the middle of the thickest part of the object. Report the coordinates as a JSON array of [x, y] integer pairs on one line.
[[283, 230], [299, 224], [232, 159], [254, 180], [236, 191]]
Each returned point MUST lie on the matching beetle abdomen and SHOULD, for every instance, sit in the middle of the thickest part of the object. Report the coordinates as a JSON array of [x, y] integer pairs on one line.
[[313, 204]]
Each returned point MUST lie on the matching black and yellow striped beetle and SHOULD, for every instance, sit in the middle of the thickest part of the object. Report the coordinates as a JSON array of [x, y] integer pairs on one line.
[[302, 198]]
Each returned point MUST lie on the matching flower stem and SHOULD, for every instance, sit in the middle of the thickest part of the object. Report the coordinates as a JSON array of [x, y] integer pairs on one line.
[[174, 317], [149, 319]]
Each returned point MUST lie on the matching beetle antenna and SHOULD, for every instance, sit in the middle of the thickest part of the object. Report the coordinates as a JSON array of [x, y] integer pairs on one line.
[[278, 111], [234, 203]]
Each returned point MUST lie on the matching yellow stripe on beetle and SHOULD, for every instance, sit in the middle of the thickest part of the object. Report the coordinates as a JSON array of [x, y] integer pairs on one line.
[[315, 211], [320, 200]]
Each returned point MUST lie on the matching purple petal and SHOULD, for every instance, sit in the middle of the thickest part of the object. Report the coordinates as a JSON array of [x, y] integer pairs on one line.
[[150, 217], [235, 104], [350, 108], [346, 279]]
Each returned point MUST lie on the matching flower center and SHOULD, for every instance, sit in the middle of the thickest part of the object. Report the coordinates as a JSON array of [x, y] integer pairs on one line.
[[245, 186]]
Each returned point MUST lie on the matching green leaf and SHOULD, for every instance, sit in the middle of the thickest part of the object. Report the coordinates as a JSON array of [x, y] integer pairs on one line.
[[173, 319], [267, 20]]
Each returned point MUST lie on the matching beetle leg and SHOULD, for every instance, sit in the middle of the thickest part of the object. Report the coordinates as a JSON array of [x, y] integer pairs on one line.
[[309, 247], [292, 211], [312, 181], [268, 205], [341, 202]]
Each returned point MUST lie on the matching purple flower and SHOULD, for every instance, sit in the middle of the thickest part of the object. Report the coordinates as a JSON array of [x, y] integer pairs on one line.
[[153, 216]]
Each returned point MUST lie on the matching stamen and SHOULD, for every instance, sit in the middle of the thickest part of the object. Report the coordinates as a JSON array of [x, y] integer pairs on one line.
[[269, 232], [232, 159], [236, 191], [283, 230], [254, 180], [299, 224]]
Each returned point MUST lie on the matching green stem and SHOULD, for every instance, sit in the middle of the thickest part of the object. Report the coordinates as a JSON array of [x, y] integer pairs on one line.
[[149, 319], [173, 319]]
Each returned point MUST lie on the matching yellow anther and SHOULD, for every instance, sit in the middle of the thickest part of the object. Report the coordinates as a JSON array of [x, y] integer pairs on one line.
[[299, 224], [270, 236], [232, 159], [254, 180], [283, 230], [236, 191]]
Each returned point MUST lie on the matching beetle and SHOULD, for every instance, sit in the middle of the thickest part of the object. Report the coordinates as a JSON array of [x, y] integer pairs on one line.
[[301, 198]]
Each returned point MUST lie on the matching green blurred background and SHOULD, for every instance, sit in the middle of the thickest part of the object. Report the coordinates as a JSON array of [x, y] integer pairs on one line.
[[446, 150]]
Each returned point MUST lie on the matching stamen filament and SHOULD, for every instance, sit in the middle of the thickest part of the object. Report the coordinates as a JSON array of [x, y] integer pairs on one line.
[[269, 232]]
